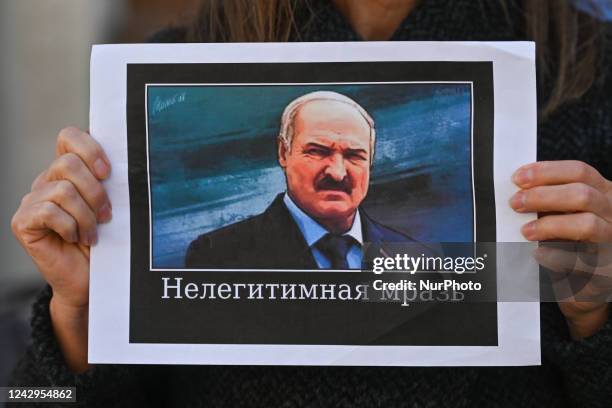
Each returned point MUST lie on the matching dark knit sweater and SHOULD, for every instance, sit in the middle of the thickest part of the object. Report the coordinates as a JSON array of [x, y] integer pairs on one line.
[[573, 373]]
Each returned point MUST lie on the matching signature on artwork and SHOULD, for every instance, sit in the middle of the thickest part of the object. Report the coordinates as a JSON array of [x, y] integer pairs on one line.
[[161, 104]]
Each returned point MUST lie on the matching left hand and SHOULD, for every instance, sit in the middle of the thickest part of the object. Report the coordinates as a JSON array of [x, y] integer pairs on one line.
[[575, 203]]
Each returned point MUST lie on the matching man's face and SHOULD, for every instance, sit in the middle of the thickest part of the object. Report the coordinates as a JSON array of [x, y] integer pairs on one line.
[[328, 165]]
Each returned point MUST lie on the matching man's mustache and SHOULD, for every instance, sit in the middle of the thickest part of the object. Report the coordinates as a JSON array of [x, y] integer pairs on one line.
[[328, 183]]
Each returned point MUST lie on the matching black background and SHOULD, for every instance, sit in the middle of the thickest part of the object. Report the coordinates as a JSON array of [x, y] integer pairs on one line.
[[244, 321]]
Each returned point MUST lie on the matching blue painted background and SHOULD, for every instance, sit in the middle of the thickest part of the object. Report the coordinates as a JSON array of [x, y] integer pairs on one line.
[[601, 9], [212, 153]]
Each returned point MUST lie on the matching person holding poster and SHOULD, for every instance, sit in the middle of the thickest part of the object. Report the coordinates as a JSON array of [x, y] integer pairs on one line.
[[570, 186]]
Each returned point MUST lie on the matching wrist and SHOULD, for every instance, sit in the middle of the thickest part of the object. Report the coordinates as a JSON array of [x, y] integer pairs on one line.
[[70, 325], [65, 313], [583, 325]]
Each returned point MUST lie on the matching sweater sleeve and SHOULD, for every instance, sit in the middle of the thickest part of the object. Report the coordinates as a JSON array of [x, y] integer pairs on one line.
[[103, 385], [585, 365]]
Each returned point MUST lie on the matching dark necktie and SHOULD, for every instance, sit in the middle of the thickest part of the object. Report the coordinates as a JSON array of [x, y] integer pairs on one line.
[[335, 248]]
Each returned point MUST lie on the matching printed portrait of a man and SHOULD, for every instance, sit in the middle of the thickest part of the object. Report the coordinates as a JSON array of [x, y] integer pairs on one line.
[[313, 177], [326, 149]]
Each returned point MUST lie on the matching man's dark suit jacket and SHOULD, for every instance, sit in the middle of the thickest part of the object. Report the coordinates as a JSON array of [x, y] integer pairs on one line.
[[271, 240]]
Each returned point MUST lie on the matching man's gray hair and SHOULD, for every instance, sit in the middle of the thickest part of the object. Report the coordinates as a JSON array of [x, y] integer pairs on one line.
[[287, 126]]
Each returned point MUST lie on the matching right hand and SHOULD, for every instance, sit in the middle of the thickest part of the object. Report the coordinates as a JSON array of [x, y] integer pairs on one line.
[[56, 222]]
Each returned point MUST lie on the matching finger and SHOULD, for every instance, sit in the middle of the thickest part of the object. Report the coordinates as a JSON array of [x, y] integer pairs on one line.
[[39, 180], [70, 167], [64, 194], [562, 261], [83, 145], [576, 263], [559, 172], [573, 197], [570, 279], [44, 215], [574, 227], [576, 283]]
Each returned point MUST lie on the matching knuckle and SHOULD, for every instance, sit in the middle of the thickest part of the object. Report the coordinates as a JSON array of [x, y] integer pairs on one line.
[[87, 220], [17, 224], [47, 210], [582, 170], [63, 138], [37, 181], [66, 190], [584, 196], [34, 184], [590, 227], [25, 200], [67, 133], [69, 163], [68, 227]]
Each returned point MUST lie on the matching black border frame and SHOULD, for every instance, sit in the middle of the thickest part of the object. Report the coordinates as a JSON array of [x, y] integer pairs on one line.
[[243, 321]]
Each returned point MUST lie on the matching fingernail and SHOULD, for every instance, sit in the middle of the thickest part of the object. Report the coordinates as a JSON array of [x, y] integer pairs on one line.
[[100, 168], [529, 230], [522, 177], [105, 213], [517, 202], [92, 238]]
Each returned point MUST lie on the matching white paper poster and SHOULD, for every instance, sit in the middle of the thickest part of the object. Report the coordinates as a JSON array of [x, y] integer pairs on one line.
[[312, 204]]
